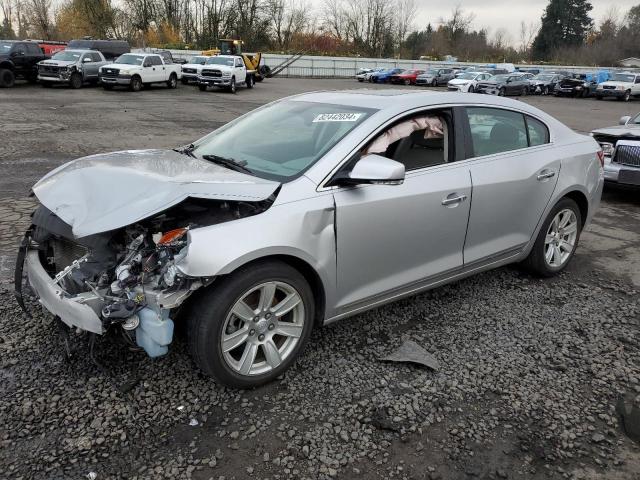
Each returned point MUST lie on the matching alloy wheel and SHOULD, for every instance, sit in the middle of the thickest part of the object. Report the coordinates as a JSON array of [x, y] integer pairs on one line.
[[561, 238], [262, 328]]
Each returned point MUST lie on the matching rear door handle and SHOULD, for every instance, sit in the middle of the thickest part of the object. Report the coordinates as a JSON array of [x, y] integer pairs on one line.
[[544, 175], [453, 199]]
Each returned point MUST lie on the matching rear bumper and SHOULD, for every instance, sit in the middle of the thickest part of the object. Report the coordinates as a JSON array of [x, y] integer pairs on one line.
[[79, 311]]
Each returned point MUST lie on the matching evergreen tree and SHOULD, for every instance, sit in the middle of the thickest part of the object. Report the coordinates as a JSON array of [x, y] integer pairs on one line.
[[565, 23]]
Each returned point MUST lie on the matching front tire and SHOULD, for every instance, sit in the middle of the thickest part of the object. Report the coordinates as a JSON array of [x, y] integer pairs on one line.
[[470, 89], [557, 240], [434, 83], [75, 81], [136, 84], [252, 324], [626, 97], [232, 85], [502, 92]]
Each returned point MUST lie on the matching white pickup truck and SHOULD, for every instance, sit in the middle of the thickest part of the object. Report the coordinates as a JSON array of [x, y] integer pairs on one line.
[[225, 71], [622, 85], [136, 70]]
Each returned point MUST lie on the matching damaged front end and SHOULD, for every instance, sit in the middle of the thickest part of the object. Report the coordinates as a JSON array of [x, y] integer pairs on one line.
[[126, 278]]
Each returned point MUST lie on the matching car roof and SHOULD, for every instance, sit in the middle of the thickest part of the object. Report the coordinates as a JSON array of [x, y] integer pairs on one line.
[[401, 99]]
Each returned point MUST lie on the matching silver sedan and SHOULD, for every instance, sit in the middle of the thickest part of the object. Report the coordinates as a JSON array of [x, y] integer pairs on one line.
[[303, 212]]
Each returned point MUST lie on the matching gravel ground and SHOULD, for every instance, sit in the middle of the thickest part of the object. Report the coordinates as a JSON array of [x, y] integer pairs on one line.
[[531, 371]]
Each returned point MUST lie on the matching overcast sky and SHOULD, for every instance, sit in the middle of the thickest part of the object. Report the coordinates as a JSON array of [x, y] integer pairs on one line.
[[496, 14], [506, 14]]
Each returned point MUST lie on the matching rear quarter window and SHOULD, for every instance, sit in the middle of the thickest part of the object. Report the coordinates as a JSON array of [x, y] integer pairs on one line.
[[538, 132]]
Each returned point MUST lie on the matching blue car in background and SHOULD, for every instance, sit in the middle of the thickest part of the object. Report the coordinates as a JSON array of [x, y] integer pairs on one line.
[[385, 75]]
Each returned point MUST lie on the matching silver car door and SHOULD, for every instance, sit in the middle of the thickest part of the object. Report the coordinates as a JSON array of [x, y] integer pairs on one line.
[[512, 181], [90, 67], [394, 236]]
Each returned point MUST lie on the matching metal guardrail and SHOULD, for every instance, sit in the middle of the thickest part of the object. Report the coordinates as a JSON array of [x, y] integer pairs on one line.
[[346, 67]]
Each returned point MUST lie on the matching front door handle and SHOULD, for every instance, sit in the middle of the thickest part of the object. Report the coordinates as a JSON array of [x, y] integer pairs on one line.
[[453, 199], [544, 175]]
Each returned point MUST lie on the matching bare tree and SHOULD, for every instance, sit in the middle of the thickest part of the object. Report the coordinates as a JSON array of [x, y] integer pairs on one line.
[[458, 24], [334, 17], [528, 32], [38, 14], [405, 14]]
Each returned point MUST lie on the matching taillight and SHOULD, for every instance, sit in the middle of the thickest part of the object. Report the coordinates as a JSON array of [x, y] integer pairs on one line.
[[600, 155]]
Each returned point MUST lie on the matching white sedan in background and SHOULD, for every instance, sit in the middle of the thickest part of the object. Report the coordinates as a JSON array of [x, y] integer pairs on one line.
[[467, 82]]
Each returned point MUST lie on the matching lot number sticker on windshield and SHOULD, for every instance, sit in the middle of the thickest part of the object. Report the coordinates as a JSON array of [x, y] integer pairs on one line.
[[337, 117]]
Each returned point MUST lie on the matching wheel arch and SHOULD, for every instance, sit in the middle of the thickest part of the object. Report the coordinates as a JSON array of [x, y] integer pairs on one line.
[[583, 203], [7, 64], [308, 272]]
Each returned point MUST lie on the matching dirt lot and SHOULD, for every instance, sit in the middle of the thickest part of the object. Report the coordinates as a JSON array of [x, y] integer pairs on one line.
[[531, 370]]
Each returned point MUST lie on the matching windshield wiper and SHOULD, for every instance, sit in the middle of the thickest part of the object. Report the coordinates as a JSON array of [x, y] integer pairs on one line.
[[188, 150], [237, 165]]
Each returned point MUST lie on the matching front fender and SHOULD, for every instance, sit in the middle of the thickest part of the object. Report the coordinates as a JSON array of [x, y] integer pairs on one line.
[[303, 229], [8, 64]]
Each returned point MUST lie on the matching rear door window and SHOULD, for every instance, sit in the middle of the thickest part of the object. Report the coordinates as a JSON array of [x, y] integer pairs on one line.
[[538, 132], [495, 130]]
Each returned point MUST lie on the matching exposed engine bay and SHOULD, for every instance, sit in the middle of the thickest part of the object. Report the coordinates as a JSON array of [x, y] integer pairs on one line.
[[129, 276]]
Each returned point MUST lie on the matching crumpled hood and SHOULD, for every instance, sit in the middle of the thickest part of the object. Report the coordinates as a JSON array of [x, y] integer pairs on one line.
[[57, 63], [103, 192], [619, 131]]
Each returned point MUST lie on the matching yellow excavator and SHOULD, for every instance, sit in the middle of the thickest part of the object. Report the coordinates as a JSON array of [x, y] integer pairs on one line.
[[251, 60]]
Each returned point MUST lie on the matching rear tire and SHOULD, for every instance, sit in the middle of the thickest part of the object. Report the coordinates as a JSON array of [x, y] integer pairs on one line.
[[75, 81], [7, 78], [211, 319], [249, 81], [173, 81], [537, 262]]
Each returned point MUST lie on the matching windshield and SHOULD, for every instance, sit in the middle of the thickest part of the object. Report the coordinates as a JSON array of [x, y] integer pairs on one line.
[[286, 137], [66, 56], [499, 78], [5, 47], [198, 60], [622, 77], [468, 76], [129, 59], [220, 61], [544, 78]]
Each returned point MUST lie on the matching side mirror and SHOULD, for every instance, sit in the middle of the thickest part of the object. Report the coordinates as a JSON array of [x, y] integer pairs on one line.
[[374, 169], [624, 120]]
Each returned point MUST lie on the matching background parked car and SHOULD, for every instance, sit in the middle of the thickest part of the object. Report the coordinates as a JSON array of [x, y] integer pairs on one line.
[[191, 70], [362, 72], [506, 84], [622, 85], [544, 83], [384, 75], [366, 77], [71, 67], [408, 77], [621, 147], [110, 49], [436, 77], [19, 60], [467, 82], [576, 85], [137, 70]]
